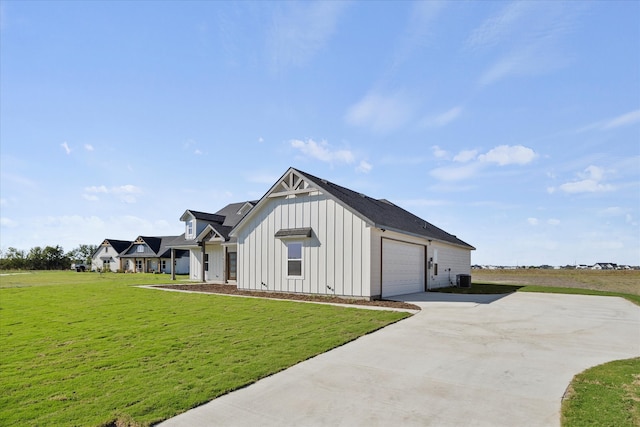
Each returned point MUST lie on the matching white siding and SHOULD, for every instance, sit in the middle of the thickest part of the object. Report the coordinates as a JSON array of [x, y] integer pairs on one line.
[[449, 256], [102, 252], [451, 260], [335, 259], [215, 274]]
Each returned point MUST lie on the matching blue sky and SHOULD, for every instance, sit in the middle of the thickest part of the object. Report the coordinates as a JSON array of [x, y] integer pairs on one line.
[[513, 125]]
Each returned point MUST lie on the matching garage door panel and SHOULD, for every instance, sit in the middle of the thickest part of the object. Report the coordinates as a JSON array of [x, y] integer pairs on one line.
[[403, 268]]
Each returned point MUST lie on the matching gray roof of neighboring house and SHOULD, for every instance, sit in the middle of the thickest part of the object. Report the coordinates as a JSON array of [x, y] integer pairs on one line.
[[383, 213], [159, 246], [206, 216], [232, 213]]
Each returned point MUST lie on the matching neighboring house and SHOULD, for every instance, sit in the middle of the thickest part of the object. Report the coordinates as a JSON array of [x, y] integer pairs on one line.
[[604, 266], [309, 235], [107, 256], [153, 255], [206, 237]]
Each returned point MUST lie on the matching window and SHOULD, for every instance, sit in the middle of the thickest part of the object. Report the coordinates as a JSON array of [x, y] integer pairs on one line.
[[106, 264], [206, 262], [294, 259], [164, 264], [189, 232], [140, 248], [139, 266]]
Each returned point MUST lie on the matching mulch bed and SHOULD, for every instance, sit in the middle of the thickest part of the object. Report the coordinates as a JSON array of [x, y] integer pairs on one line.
[[233, 290]]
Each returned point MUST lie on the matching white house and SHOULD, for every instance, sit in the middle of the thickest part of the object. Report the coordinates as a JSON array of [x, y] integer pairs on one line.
[[309, 235], [107, 256], [149, 254], [206, 237]]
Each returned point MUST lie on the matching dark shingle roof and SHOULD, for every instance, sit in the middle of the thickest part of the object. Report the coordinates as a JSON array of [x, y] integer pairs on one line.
[[160, 246], [207, 216], [232, 213], [384, 214], [119, 245]]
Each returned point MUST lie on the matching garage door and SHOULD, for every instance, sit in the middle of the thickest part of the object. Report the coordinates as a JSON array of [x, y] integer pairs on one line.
[[402, 268]]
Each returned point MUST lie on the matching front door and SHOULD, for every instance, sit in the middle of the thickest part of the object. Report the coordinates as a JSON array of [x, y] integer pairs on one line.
[[231, 265]]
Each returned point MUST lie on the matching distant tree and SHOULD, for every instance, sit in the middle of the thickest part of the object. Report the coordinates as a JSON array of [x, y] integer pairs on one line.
[[83, 253], [35, 259], [55, 259], [13, 259]]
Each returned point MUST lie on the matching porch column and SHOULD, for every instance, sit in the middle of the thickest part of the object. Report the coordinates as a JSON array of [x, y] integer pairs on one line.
[[203, 254], [173, 264]]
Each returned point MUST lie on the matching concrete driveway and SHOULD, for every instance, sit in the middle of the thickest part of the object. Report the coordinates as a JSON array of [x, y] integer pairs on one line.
[[462, 361]]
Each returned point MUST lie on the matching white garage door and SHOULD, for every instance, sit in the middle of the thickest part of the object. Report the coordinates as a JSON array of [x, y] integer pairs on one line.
[[402, 268]]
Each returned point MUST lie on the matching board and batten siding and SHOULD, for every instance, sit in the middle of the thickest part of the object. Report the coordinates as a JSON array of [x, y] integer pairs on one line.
[[335, 259], [452, 260], [449, 256]]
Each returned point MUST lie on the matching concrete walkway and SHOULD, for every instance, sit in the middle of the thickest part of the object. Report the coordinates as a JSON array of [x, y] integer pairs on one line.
[[462, 361]]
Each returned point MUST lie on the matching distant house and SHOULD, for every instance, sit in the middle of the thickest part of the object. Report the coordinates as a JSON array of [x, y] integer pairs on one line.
[[213, 253], [604, 266], [107, 256], [153, 255], [309, 235]]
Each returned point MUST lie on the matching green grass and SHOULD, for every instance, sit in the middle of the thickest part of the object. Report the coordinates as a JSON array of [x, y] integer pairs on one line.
[[605, 395], [90, 349]]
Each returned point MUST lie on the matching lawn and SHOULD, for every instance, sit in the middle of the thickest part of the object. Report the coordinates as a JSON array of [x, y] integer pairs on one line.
[[605, 395], [90, 349]]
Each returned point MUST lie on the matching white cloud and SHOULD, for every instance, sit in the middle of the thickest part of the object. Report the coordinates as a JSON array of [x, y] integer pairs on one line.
[[419, 29], [533, 221], [626, 119], [439, 152], [499, 27], [590, 182], [623, 120], [66, 148], [380, 113], [260, 139], [465, 156], [299, 31], [502, 155], [443, 118], [197, 152], [507, 155], [530, 32], [322, 151], [364, 167], [91, 197], [88, 147], [553, 221]]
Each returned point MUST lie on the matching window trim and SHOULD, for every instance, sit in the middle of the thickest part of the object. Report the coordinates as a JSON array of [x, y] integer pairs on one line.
[[289, 259]]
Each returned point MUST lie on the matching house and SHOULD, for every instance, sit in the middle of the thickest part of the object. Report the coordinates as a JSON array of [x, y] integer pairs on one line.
[[153, 255], [309, 235], [206, 237], [107, 255], [604, 266]]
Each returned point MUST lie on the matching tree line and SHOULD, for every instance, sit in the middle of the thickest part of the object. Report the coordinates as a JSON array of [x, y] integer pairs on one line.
[[47, 258]]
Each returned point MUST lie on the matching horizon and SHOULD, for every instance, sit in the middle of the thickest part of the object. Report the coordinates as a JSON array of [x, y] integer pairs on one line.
[[512, 125]]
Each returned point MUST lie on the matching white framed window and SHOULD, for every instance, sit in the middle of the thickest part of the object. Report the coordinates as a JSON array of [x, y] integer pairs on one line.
[[294, 259], [140, 248], [206, 262], [189, 231]]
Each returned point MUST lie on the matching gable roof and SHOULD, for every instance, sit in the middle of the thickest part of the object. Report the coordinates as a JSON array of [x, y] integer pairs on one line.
[[160, 246], [202, 216], [380, 213], [118, 245]]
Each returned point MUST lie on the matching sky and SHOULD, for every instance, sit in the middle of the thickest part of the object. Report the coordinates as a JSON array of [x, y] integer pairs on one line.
[[512, 125]]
